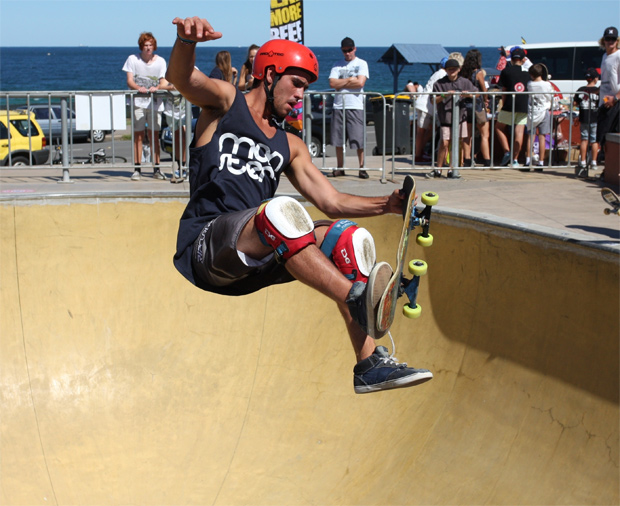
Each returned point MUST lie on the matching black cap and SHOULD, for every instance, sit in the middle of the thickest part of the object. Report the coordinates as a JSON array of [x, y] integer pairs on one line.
[[592, 73], [452, 63], [347, 42], [517, 53], [611, 31]]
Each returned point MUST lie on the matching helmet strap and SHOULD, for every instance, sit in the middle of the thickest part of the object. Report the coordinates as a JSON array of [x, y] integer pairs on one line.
[[275, 119]]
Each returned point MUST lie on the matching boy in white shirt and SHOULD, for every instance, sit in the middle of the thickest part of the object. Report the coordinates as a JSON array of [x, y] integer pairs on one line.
[[538, 116]]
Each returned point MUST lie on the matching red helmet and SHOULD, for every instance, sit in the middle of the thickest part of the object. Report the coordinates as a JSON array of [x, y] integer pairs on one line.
[[285, 54]]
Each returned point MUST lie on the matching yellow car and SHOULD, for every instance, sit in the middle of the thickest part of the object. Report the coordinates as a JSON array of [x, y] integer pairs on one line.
[[21, 133]]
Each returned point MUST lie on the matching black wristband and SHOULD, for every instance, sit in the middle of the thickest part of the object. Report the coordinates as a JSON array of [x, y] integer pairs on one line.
[[186, 41]]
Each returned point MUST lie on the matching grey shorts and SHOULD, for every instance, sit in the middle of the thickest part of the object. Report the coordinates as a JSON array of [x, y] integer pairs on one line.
[[544, 126], [217, 262], [354, 128]]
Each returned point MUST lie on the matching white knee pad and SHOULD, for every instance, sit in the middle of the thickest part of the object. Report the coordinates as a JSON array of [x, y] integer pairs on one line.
[[285, 225], [351, 248]]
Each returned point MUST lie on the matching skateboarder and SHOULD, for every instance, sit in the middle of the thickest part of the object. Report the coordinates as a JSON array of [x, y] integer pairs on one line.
[[235, 237]]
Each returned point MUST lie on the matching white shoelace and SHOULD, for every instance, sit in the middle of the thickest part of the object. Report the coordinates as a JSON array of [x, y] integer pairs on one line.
[[391, 358]]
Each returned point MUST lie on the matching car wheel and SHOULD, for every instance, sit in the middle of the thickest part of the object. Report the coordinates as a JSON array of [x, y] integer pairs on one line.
[[98, 135], [314, 147], [20, 161]]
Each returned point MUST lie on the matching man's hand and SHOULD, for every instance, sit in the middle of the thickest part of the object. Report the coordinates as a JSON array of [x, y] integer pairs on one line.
[[195, 28], [395, 203]]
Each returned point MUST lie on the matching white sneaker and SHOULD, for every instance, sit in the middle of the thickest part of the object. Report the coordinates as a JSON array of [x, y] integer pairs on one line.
[[159, 175], [593, 165], [136, 176]]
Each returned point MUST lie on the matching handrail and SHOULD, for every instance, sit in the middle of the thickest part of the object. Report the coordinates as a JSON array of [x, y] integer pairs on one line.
[[383, 112]]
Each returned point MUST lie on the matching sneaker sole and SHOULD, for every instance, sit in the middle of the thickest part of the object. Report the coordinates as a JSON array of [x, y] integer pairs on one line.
[[377, 281], [407, 381]]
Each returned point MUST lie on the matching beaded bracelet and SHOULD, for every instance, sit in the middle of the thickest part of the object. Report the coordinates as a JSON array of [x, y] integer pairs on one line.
[[186, 41]]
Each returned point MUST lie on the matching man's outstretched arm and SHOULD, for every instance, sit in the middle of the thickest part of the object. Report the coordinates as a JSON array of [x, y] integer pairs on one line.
[[187, 79], [314, 186]]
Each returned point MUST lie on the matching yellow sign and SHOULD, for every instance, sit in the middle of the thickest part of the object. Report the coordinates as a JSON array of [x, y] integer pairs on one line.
[[287, 20]]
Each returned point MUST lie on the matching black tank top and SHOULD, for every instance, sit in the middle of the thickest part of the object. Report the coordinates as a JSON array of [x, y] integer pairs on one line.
[[238, 169]]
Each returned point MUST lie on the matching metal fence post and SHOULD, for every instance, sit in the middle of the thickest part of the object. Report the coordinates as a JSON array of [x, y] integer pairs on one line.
[[64, 136]]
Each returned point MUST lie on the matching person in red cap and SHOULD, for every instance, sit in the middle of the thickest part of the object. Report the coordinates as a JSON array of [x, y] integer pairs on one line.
[[236, 237], [513, 79]]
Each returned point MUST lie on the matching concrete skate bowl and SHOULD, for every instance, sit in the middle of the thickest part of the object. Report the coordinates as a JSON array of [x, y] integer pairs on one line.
[[123, 384]]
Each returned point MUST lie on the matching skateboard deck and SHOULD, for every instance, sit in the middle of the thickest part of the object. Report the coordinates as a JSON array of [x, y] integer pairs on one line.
[[612, 199], [398, 284]]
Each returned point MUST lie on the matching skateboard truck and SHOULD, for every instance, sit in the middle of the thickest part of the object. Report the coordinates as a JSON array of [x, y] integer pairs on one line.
[[410, 286]]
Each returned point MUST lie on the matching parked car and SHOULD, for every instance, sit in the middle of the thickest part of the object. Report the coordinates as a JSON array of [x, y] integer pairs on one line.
[[49, 117], [24, 150]]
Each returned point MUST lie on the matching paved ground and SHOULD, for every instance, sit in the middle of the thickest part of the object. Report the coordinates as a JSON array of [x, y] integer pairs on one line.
[[552, 202]]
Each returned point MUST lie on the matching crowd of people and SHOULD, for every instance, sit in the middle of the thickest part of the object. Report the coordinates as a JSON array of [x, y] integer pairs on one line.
[[522, 117], [523, 124]]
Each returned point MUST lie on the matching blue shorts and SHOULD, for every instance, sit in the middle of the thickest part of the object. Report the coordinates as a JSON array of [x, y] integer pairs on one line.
[[588, 132]]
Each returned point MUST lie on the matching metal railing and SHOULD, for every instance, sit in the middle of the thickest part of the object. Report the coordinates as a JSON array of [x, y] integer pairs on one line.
[[395, 126], [58, 112], [399, 115]]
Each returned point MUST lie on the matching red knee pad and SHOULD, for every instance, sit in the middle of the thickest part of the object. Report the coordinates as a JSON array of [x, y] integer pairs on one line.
[[351, 248], [285, 225]]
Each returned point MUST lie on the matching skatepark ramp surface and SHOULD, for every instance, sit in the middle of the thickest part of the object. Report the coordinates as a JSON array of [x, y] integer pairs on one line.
[[123, 384]]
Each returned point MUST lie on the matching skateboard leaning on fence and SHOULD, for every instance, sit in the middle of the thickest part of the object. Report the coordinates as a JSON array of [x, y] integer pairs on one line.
[[398, 283], [612, 199]]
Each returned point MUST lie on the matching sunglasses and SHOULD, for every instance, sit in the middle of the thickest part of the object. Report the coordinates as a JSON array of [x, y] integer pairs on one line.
[[347, 50], [610, 39]]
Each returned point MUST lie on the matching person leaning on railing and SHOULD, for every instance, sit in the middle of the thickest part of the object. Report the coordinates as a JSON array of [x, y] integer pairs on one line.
[[145, 73]]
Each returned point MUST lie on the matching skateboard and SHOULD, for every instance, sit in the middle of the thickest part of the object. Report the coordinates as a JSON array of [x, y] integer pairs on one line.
[[612, 199], [398, 283]]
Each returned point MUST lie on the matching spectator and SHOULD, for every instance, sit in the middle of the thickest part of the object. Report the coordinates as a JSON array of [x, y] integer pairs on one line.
[[609, 92], [245, 76], [223, 69], [145, 73], [425, 110], [526, 63], [174, 112], [348, 76], [538, 115], [513, 79], [412, 87], [472, 70], [586, 99], [447, 86]]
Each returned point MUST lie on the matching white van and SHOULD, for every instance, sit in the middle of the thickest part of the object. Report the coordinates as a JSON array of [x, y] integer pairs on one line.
[[567, 61]]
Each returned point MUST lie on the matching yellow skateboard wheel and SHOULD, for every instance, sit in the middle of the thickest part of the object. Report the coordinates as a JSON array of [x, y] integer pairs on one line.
[[418, 267], [425, 242], [410, 312], [430, 198]]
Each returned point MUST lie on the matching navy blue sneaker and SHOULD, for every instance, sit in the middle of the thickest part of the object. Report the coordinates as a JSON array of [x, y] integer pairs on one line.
[[381, 371]]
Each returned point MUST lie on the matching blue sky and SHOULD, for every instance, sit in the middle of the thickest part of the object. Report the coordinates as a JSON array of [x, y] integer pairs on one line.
[[326, 22]]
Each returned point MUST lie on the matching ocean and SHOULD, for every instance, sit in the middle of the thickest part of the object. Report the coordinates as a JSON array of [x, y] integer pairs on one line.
[[100, 68]]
